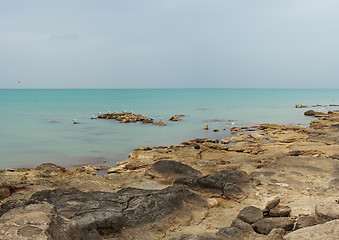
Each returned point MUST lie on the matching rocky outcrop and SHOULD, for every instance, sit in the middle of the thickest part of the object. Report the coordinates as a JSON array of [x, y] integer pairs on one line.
[[64, 214]]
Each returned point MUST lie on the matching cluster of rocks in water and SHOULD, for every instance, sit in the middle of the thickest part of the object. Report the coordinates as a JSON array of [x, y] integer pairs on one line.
[[317, 105], [130, 117], [201, 189]]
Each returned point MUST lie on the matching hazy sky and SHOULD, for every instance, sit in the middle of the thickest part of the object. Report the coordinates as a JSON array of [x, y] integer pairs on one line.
[[169, 44]]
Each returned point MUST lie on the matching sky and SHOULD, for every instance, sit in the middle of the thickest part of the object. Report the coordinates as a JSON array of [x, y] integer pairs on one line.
[[169, 44]]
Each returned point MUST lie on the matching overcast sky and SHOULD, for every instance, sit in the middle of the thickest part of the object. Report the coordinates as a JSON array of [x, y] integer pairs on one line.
[[169, 44]]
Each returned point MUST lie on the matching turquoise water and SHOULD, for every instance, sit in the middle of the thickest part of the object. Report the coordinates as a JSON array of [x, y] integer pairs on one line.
[[36, 125]]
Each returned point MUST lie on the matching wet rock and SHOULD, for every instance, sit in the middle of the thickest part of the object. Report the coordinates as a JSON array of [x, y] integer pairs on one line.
[[169, 169], [215, 130], [310, 113], [160, 123], [250, 214], [328, 231], [280, 211], [305, 221], [300, 106], [265, 225], [175, 118], [206, 127], [327, 211]]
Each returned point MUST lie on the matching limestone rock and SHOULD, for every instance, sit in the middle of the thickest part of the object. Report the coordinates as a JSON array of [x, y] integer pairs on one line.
[[327, 211], [305, 221], [250, 214], [328, 231]]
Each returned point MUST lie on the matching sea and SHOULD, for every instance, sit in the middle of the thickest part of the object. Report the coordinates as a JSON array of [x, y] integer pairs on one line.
[[36, 125]]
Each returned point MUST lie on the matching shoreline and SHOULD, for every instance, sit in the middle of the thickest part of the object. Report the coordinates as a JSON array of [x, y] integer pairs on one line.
[[297, 164]]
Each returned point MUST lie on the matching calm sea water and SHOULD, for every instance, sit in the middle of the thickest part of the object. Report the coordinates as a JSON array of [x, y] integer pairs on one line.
[[36, 125]]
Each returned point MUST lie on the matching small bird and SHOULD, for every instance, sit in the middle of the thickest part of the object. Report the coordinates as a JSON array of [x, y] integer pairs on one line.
[[92, 117], [75, 122]]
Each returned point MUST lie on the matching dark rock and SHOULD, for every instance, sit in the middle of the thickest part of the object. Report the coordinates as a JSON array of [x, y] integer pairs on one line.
[[280, 211], [250, 214], [227, 181], [232, 191], [213, 181], [336, 156], [265, 225], [305, 221], [172, 170], [310, 113], [238, 230], [191, 182], [105, 213]]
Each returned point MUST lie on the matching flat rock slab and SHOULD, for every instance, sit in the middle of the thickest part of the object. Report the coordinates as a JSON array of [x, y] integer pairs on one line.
[[88, 215], [326, 231]]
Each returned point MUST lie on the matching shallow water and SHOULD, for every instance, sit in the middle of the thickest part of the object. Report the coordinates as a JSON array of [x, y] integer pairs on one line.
[[36, 125]]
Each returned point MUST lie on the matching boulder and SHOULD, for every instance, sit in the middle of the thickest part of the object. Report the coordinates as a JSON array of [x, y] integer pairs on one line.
[[265, 225], [326, 231], [250, 214], [327, 211]]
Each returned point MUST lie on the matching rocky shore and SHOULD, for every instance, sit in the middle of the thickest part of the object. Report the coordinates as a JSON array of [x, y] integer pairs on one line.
[[265, 182]]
